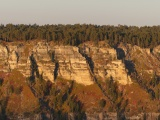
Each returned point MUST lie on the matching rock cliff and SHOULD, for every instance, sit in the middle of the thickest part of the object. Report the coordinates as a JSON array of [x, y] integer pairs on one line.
[[156, 51], [72, 65], [145, 60], [104, 64], [67, 62]]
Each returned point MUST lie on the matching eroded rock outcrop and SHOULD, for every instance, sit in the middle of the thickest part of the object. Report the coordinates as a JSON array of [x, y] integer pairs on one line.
[[145, 62], [72, 65], [156, 51], [66, 62], [105, 64], [42, 58], [4, 58]]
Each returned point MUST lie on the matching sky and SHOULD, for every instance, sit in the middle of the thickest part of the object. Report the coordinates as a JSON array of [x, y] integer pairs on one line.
[[100, 12]]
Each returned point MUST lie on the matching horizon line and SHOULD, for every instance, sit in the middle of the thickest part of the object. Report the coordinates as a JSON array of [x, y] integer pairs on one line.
[[118, 25]]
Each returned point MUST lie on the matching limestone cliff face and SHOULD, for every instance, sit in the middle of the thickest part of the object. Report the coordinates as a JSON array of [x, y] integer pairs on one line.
[[63, 61], [52, 61], [72, 65], [4, 58], [143, 60], [156, 51], [105, 64], [45, 65]]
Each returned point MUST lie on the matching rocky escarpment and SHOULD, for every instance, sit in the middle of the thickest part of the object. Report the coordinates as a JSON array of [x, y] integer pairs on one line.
[[156, 51], [41, 57], [14, 57], [104, 63], [145, 60], [72, 65], [67, 62], [51, 61], [4, 58]]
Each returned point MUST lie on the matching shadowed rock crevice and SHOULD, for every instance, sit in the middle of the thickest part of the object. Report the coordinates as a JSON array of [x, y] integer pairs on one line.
[[120, 53], [56, 70], [34, 68], [129, 65], [53, 59], [129, 60], [120, 112], [70, 65], [91, 68], [88, 59], [90, 64]]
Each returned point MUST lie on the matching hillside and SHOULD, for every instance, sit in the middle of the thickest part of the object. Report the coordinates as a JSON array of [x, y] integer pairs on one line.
[[45, 80]]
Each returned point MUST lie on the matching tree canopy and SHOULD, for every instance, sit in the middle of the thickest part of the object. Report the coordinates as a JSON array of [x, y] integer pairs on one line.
[[75, 34]]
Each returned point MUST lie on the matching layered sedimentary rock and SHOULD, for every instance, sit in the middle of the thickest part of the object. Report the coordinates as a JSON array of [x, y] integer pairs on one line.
[[156, 51], [17, 59], [4, 58], [105, 64], [66, 62], [145, 61], [42, 58], [72, 65]]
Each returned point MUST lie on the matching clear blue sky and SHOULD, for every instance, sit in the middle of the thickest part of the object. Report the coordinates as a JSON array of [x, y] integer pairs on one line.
[[101, 12]]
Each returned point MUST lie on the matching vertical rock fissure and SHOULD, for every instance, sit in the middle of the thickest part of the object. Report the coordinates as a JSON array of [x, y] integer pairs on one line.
[[90, 64], [90, 67], [17, 57], [130, 66], [34, 68], [8, 59], [54, 61], [56, 70]]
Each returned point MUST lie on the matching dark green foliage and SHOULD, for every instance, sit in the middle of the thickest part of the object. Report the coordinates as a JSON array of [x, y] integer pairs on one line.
[[3, 104], [41, 87], [74, 104], [154, 81], [10, 89], [1, 81], [110, 109], [59, 100], [157, 93], [76, 108], [76, 34], [18, 90], [102, 103], [112, 90], [52, 91], [116, 96], [34, 67], [155, 86]]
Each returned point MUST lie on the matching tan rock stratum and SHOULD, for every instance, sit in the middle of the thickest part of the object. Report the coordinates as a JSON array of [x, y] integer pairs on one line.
[[68, 62], [106, 65]]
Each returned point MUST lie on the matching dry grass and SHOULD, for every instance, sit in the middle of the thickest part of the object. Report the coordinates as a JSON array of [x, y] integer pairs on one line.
[[139, 100], [88, 95], [23, 102]]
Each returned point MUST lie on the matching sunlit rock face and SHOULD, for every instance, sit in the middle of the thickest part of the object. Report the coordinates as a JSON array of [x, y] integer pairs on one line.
[[105, 64], [144, 61], [51, 61], [42, 58], [4, 58], [156, 51], [72, 65], [68, 62]]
